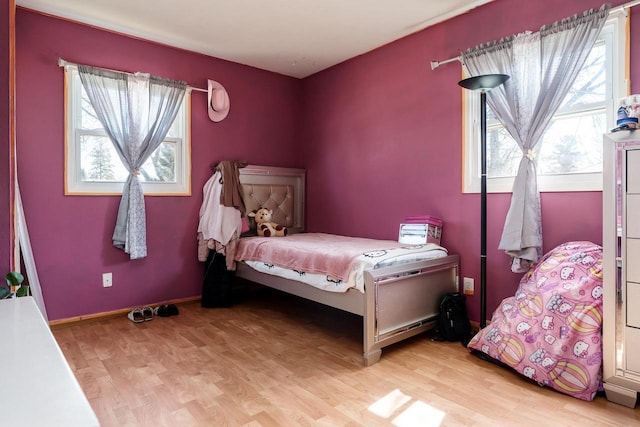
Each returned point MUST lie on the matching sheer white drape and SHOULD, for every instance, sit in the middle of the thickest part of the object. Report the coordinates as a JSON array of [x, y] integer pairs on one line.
[[136, 111], [543, 67]]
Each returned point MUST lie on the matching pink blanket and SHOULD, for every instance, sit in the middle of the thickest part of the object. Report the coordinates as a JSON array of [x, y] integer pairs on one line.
[[310, 252]]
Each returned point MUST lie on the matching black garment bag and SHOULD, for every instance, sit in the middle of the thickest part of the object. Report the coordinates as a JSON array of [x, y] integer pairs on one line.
[[217, 282]]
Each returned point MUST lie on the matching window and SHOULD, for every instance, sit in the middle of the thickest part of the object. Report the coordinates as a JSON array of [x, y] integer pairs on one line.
[[93, 165], [569, 157]]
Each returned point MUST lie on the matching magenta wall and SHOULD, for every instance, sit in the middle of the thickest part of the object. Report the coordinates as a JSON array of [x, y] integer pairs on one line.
[[5, 171], [383, 139], [71, 235], [382, 126]]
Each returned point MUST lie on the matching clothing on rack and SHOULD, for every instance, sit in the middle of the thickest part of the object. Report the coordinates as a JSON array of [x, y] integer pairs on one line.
[[231, 194], [205, 247], [217, 221], [221, 212], [220, 226]]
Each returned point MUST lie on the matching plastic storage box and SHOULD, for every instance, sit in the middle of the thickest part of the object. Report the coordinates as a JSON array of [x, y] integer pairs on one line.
[[417, 230]]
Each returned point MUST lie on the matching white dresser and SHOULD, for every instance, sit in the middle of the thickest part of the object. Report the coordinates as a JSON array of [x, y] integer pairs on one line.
[[621, 242], [37, 386]]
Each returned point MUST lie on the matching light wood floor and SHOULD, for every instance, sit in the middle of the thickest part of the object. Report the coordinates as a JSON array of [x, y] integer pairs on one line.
[[276, 360]]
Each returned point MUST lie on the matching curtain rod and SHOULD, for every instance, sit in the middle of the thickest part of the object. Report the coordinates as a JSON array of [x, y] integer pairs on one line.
[[63, 63], [629, 5]]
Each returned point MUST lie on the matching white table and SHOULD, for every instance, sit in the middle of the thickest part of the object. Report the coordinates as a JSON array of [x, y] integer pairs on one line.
[[37, 386]]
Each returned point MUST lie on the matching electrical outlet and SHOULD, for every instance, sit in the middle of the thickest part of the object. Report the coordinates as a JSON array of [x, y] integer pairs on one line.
[[468, 285], [107, 280]]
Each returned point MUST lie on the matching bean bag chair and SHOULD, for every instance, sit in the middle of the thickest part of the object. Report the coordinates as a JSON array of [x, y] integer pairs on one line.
[[550, 330]]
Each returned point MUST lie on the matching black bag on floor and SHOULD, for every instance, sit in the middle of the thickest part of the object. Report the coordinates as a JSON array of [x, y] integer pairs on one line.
[[217, 282], [454, 321]]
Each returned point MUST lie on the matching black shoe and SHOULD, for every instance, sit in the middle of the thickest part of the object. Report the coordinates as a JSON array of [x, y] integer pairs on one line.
[[166, 310], [172, 309]]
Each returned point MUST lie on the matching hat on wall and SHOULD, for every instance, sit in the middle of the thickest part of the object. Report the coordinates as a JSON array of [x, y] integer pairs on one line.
[[217, 101]]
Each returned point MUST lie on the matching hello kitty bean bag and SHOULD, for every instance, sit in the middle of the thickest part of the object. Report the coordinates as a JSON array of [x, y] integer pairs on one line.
[[550, 330]]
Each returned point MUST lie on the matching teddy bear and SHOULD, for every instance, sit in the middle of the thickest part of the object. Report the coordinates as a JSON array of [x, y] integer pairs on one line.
[[266, 227]]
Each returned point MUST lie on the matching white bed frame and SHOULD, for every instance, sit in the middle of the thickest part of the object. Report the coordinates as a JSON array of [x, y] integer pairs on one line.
[[399, 301]]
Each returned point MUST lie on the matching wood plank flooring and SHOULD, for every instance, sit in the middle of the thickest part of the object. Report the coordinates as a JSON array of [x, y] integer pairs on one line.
[[277, 360]]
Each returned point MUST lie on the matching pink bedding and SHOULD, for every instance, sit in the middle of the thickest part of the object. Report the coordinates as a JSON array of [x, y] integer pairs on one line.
[[550, 331], [300, 251]]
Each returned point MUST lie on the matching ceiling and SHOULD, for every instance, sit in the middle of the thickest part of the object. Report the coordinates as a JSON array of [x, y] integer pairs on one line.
[[291, 37]]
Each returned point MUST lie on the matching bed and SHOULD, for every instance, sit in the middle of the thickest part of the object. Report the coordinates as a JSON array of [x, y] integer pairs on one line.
[[550, 330], [397, 298]]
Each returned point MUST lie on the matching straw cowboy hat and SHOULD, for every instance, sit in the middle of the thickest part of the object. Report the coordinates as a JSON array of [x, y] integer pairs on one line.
[[217, 101]]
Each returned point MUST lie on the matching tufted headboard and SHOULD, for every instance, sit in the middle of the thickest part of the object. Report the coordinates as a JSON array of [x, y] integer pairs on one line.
[[281, 190]]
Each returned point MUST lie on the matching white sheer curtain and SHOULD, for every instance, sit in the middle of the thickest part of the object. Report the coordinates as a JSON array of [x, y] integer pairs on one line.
[[543, 67], [137, 111]]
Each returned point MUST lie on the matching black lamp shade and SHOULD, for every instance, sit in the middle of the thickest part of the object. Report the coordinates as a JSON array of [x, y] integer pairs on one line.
[[484, 83]]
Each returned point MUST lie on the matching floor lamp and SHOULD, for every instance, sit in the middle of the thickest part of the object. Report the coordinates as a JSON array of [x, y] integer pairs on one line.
[[483, 84]]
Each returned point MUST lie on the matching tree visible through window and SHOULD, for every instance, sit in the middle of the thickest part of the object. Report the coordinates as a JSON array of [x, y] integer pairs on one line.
[[101, 168]]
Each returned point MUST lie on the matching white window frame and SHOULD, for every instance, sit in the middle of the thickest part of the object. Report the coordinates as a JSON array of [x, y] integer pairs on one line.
[[614, 34], [74, 185]]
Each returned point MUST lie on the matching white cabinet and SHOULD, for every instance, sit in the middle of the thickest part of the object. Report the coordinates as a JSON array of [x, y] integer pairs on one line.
[[621, 241], [37, 386]]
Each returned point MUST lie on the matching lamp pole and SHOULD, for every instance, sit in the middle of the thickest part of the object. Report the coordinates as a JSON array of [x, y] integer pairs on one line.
[[483, 84]]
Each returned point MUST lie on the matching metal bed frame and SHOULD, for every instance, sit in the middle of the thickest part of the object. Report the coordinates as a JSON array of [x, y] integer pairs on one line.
[[399, 301]]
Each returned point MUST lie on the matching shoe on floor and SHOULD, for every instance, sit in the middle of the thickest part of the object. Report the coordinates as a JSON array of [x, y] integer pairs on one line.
[[172, 309], [136, 315], [161, 311], [166, 310], [147, 313]]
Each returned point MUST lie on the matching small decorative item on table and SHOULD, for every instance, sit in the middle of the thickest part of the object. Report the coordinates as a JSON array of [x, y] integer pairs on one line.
[[421, 229], [628, 113]]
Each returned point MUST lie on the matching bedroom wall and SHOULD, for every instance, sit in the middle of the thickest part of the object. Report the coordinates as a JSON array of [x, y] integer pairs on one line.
[[71, 235], [6, 7], [383, 139]]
